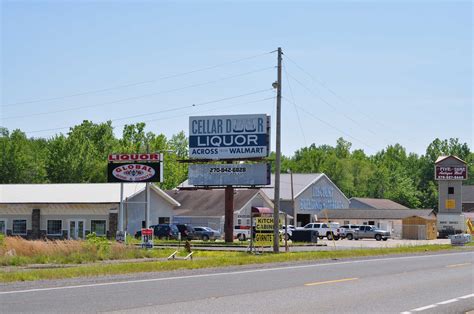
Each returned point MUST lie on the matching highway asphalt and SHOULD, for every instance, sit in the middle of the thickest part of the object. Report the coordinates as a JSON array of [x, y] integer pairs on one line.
[[431, 283]]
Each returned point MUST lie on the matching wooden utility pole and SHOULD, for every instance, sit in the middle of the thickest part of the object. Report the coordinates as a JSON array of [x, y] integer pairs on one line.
[[276, 209]]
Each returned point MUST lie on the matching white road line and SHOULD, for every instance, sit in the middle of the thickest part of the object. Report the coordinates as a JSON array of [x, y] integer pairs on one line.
[[439, 303], [448, 301], [228, 273], [424, 308]]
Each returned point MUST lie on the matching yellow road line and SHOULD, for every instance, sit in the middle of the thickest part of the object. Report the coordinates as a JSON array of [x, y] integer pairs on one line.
[[458, 265], [330, 281]]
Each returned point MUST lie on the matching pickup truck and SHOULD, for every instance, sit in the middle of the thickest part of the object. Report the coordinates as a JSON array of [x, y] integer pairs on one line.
[[328, 230], [368, 232], [347, 231]]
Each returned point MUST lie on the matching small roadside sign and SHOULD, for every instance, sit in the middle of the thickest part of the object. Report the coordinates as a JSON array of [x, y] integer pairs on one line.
[[147, 238]]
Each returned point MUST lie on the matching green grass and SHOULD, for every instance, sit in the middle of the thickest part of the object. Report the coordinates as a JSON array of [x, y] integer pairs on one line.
[[206, 259]]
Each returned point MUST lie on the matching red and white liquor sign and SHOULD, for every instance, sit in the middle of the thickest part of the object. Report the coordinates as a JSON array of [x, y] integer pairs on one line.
[[153, 157]]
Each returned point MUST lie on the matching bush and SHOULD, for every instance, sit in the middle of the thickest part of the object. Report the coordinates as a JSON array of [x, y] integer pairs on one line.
[[98, 244]]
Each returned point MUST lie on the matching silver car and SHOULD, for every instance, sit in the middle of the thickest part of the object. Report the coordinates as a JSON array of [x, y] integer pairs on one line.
[[206, 233]]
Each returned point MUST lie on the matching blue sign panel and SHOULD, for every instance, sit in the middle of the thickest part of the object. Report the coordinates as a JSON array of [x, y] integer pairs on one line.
[[229, 137]]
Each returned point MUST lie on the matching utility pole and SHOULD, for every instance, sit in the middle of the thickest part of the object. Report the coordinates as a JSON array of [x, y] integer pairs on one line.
[[276, 209]]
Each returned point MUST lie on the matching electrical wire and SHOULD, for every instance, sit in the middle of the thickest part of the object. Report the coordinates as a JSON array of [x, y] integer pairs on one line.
[[294, 106], [163, 111], [330, 125], [135, 83], [332, 106], [137, 97], [324, 85]]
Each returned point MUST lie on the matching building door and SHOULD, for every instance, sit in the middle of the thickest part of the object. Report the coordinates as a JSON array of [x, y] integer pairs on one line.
[[76, 230]]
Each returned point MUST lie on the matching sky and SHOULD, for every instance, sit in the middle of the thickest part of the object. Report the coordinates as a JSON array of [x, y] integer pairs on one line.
[[376, 73]]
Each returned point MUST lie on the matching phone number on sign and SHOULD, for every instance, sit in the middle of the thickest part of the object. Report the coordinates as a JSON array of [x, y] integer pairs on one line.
[[227, 170]]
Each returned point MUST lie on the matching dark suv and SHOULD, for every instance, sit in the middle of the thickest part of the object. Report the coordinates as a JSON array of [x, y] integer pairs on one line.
[[162, 231], [187, 231]]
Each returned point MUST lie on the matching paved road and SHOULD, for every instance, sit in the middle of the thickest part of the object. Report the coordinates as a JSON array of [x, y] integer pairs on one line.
[[436, 283]]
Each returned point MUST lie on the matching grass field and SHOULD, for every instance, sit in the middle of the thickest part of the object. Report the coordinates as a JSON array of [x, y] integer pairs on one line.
[[202, 259]]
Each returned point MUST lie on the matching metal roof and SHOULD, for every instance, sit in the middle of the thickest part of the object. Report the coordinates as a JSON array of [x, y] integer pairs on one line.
[[373, 213], [376, 203], [441, 158], [301, 181], [209, 203], [72, 193]]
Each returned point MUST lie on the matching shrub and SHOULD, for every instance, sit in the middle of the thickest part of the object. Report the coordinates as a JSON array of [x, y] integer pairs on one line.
[[98, 244]]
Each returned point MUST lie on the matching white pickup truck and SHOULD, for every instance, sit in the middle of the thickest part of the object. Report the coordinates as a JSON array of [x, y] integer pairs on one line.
[[325, 229]]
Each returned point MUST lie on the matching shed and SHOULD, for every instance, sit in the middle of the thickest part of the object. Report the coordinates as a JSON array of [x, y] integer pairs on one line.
[[419, 228]]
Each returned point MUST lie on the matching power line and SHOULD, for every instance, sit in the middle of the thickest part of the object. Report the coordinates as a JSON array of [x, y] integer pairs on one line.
[[294, 106], [323, 84], [211, 109], [163, 111], [332, 106], [137, 97], [331, 126], [136, 83]]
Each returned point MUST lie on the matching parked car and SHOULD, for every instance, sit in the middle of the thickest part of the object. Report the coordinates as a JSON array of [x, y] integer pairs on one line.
[[370, 232], [206, 233], [162, 231], [187, 231], [289, 230], [328, 230], [347, 231]]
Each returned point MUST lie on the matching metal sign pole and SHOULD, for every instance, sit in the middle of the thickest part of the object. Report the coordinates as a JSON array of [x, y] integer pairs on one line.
[[147, 223], [120, 224]]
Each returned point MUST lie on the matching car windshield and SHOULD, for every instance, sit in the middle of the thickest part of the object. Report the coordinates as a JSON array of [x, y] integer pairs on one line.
[[207, 229]]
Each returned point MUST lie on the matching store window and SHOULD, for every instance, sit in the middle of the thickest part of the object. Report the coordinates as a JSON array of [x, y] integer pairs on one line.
[[55, 227], [19, 227], [99, 227], [3, 227], [451, 190], [163, 220], [371, 223]]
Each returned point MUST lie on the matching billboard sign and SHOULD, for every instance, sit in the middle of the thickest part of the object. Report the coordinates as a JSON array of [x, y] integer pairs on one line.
[[135, 172], [229, 137], [451, 173], [155, 157], [229, 174]]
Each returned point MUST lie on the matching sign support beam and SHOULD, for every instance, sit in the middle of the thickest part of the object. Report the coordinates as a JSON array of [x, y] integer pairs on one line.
[[229, 214]]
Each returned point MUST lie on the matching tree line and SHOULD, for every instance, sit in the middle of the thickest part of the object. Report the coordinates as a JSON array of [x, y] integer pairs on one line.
[[80, 156]]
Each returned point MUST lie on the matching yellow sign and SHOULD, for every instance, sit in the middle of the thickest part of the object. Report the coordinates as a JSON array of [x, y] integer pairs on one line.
[[470, 226], [266, 223], [450, 204], [263, 238]]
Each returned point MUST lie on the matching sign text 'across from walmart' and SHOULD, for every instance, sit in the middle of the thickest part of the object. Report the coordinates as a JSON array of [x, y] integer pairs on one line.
[[229, 137]]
